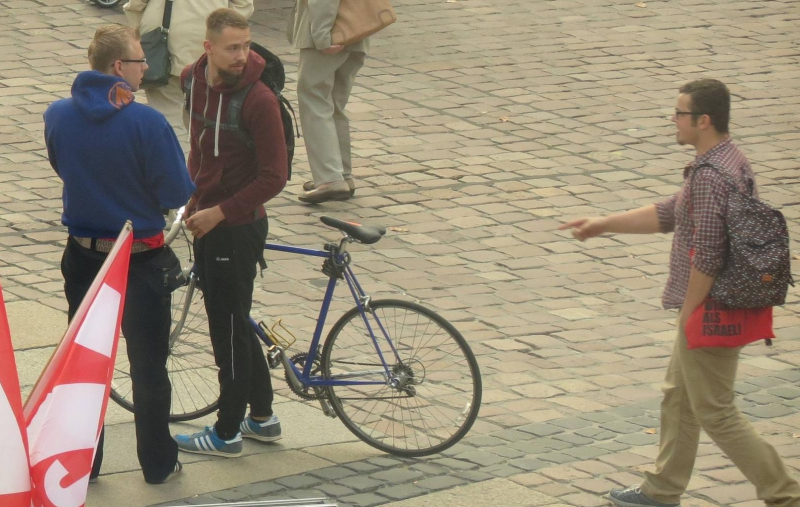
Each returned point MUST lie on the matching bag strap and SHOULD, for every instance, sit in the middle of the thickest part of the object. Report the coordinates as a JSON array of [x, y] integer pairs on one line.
[[167, 19], [726, 177]]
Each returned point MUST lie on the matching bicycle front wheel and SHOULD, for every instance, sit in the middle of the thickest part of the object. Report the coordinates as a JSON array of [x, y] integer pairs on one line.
[[190, 364], [430, 396]]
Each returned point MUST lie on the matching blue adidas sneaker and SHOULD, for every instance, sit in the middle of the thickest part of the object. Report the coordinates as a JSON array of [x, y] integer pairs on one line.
[[208, 442], [267, 431]]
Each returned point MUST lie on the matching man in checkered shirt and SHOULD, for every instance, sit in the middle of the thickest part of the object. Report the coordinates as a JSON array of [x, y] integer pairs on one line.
[[699, 386]]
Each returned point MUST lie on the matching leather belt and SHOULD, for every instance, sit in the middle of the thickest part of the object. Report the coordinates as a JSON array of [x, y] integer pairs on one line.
[[106, 245]]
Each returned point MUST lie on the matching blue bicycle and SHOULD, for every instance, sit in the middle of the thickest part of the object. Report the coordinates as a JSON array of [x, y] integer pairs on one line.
[[397, 374]]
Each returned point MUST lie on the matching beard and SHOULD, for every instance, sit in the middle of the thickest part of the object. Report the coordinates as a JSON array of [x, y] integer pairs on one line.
[[230, 78]]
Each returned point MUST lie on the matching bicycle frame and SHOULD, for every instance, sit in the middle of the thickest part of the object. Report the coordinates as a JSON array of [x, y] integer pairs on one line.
[[337, 255]]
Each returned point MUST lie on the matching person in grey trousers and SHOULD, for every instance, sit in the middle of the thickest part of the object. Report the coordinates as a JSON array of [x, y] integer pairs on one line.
[[325, 77]]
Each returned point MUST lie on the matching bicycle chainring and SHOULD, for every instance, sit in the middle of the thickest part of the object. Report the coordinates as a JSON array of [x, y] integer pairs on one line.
[[307, 392]]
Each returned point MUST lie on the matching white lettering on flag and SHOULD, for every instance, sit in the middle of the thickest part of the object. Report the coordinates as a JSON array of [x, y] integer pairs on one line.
[[15, 477], [97, 331], [73, 495], [66, 421]]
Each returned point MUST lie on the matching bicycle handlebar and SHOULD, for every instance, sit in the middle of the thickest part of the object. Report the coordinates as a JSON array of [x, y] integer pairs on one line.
[[176, 226]]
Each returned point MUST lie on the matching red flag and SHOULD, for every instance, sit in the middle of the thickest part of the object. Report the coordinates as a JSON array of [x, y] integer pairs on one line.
[[64, 413], [15, 481]]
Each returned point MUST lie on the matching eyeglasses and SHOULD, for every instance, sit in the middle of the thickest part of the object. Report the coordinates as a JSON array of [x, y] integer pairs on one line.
[[678, 112], [142, 61]]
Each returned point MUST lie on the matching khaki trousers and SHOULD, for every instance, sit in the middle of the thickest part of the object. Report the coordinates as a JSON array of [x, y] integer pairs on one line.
[[699, 394], [324, 83], [168, 100]]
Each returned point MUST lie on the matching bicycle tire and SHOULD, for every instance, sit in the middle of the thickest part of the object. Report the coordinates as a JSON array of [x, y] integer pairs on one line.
[[190, 365], [409, 425]]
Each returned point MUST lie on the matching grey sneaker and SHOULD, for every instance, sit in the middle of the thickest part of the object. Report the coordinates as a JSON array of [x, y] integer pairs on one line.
[[633, 497], [268, 431], [208, 442]]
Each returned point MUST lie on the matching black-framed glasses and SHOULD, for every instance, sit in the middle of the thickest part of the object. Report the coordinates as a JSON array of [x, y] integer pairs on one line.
[[678, 112], [142, 61]]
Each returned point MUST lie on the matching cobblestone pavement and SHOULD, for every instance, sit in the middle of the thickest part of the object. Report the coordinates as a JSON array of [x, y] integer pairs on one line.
[[479, 126]]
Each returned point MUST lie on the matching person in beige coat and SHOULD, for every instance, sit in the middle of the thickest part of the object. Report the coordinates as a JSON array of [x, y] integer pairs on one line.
[[325, 76], [187, 32]]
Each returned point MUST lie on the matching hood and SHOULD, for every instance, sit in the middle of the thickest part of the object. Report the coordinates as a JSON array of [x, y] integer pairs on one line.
[[100, 96], [252, 72]]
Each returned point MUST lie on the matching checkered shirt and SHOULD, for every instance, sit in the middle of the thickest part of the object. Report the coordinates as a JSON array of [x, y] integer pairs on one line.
[[696, 213]]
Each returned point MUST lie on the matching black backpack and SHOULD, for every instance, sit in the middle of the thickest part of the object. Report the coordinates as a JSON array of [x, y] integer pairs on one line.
[[274, 77], [757, 270]]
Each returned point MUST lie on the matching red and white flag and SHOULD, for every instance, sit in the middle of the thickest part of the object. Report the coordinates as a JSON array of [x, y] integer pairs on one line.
[[64, 413], [15, 480]]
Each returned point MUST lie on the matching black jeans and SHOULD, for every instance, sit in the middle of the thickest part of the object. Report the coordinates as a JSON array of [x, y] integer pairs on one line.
[[146, 321], [225, 261]]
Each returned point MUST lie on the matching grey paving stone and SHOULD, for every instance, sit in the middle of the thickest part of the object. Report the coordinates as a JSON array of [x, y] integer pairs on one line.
[[585, 452], [260, 488], [364, 500], [362, 467], [541, 430], [556, 457], [455, 464], [571, 423], [574, 439], [528, 464], [332, 473], [231, 495], [298, 481], [785, 392], [442, 482], [360, 483], [623, 427], [401, 492], [768, 411], [384, 462], [481, 458], [335, 490], [397, 475]]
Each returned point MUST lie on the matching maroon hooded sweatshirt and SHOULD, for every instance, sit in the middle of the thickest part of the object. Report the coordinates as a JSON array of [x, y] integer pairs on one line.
[[225, 170]]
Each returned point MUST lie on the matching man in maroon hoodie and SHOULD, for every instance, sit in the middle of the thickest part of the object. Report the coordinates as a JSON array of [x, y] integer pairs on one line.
[[235, 175]]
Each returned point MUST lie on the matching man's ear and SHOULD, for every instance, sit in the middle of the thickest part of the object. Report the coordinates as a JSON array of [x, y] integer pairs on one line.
[[116, 69], [704, 122], [207, 46]]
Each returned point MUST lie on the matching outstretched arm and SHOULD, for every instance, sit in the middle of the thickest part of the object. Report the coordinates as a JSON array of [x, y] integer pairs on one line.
[[639, 221]]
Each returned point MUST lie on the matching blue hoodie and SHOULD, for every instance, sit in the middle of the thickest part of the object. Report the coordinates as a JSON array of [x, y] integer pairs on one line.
[[119, 160]]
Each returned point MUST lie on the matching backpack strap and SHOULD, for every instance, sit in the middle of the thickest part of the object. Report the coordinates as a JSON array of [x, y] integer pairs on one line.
[[234, 117], [187, 87]]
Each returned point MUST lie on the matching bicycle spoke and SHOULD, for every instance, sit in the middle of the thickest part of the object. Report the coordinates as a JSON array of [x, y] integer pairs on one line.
[[435, 390]]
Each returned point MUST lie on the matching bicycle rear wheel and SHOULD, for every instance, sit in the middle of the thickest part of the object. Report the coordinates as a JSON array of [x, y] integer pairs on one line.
[[432, 395], [190, 365]]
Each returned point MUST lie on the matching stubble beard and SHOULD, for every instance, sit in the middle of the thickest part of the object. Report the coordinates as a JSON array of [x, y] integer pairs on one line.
[[229, 78]]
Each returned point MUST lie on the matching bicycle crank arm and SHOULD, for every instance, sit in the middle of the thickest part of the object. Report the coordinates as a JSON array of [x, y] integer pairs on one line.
[[291, 376], [327, 409]]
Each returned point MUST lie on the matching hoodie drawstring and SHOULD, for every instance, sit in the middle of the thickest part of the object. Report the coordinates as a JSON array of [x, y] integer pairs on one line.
[[216, 130], [191, 110]]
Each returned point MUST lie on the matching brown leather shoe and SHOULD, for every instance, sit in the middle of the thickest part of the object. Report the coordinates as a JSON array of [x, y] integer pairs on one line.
[[309, 185], [334, 191]]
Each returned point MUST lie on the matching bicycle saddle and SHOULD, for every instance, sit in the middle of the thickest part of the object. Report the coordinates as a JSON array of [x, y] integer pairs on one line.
[[367, 234]]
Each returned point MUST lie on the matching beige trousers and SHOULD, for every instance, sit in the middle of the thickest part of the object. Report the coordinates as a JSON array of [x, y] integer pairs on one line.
[[699, 394], [324, 83], [168, 100]]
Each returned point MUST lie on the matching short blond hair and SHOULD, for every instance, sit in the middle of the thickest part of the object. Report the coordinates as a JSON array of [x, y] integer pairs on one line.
[[111, 43], [223, 18]]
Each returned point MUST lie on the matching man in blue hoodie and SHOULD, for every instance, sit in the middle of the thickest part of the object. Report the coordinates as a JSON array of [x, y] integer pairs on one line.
[[121, 161]]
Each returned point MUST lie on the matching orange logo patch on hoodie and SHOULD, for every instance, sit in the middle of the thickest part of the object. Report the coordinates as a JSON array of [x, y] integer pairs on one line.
[[120, 95]]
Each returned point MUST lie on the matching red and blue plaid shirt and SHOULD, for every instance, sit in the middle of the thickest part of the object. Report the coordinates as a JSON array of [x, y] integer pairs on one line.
[[696, 213]]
